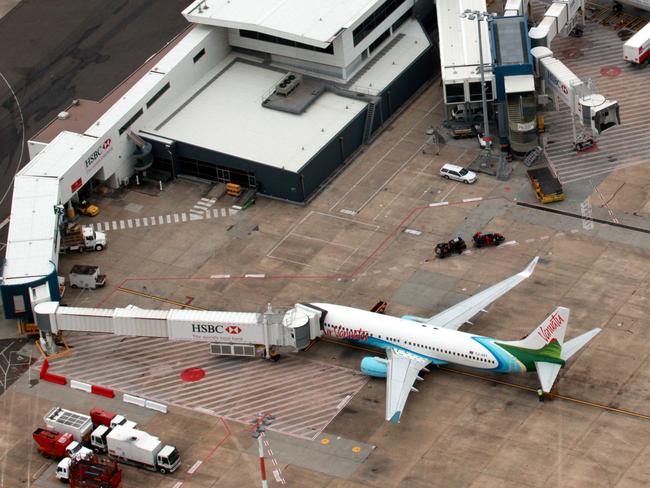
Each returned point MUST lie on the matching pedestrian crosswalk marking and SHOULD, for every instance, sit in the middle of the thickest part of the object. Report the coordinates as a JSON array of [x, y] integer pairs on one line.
[[175, 218]]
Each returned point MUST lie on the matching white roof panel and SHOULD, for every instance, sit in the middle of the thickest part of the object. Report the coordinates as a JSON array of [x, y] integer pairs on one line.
[[59, 155], [314, 22], [519, 83], [459, 48], [227, 116], [640, 38]]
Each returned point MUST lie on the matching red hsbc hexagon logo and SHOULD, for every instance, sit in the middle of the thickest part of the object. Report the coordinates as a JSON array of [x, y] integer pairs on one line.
[[233, 329]]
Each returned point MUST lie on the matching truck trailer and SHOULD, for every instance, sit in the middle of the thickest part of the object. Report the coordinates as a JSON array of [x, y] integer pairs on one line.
[[65, 421], [138, 448], [637, 48]]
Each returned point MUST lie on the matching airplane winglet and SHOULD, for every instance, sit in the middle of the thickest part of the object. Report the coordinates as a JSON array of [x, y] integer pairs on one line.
[[396, 416], [530, 268]]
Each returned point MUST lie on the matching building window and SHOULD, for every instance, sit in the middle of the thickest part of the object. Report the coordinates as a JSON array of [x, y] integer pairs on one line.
[[284, 42], [130, 121], [158, 95], [377, 17], [379, 40], [455, 93], [406, 15], [198, 55]]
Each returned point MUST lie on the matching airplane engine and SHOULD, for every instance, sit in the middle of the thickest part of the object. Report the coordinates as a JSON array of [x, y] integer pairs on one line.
[[375, 367]]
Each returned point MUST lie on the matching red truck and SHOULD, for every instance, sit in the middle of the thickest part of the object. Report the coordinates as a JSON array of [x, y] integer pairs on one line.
[[109, 419], [51, 444], [90, 473]]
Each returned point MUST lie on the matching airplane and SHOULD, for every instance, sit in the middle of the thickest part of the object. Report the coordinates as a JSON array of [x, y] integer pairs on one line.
[[413, 343]]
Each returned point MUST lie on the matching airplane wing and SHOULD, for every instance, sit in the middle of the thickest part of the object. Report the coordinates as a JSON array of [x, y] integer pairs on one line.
[[403, 370], [462, 312]]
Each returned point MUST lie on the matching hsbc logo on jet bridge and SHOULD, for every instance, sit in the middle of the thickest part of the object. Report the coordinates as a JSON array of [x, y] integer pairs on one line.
[[215, 329], [98, 154]]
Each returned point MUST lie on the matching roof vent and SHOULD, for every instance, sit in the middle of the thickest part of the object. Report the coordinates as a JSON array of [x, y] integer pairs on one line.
[[63, 115], [288, 84]]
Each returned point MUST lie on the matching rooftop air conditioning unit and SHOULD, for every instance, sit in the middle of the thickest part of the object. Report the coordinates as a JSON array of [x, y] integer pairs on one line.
[[288, 84]]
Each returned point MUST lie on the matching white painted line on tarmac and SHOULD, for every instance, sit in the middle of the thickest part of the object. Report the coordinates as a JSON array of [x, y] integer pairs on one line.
[[232, 211], [413, 232], [219, 276], [559, 234], [98, 227], [184, 217], [194, 467], [574, 231], [169, 218], [528, 241], [107, 226], [129, 223], [543, 238], [137, 222], [509, 243], [161, 220], [476, 199], [178, 484], [223, 212], [348, 211], [122, 226], [153, 220], [145, 221], [439, 204], [208, 215], [343, 402], [254, 275], [4, 222], [176, 220], [114, 225]]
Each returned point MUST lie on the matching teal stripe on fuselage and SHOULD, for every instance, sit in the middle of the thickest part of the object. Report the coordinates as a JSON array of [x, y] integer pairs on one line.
[[507, 363], [382, 344]]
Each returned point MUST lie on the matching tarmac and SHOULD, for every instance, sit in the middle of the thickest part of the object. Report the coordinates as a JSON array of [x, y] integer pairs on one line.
[[370, 236]]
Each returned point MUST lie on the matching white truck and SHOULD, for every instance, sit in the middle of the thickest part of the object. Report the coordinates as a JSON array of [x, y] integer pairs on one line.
[[88, 277], [64, 421], [80, 239], [136, 447], [637, 49]]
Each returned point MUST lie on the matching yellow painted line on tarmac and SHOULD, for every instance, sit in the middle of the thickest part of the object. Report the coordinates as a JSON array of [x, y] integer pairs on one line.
[[157, 298], [555, 395]]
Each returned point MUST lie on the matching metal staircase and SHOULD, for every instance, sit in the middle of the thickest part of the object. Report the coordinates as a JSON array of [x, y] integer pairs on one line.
[[370, 118]]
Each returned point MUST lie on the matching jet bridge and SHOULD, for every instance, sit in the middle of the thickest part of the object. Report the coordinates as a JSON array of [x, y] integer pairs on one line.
[[229, 333]]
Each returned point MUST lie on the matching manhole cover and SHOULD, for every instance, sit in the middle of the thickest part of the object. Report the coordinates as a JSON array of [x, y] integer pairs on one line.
[[572, 53], [610, 71]]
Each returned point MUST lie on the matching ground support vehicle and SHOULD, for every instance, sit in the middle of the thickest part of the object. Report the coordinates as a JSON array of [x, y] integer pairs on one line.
[[65, 421], [136, 447], [51, 444], [109, 419], [451, 171], [456, 245], [88, 277], [583, 142], [637, 48], [86, 208], [57, 445], [91, 473], [547, 187], [463, 132], [84, 238], [487, 239]]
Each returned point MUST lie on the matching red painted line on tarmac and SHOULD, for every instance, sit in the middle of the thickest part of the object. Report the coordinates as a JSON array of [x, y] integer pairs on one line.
[[214, 449]]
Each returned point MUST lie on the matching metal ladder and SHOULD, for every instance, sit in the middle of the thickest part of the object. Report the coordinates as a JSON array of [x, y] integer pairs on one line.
[[370, 117]]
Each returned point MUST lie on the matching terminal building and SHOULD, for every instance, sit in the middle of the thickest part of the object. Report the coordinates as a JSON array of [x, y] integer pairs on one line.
[[275, 95]]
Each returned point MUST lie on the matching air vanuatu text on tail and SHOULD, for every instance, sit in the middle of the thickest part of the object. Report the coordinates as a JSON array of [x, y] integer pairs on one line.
[[412, 343]]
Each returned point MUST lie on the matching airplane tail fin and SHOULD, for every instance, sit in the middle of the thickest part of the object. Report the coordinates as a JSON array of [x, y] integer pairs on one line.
[[553, 328]]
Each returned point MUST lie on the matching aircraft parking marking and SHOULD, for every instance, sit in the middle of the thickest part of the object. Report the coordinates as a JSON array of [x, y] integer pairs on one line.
[[175, 218]]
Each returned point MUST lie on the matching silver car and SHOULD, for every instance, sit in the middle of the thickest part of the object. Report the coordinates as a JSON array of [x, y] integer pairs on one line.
[[458, 173]]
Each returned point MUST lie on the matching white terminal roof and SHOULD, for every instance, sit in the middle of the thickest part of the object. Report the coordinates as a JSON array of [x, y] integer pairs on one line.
[[519, 83], [314, 22], [459, 48], [227, 116]]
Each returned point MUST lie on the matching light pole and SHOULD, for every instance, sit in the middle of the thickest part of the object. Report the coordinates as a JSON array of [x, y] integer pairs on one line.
[[480, 17], [260, 423]]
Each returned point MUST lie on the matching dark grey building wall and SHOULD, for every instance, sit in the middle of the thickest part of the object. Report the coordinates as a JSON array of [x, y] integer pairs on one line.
[[323, 164]]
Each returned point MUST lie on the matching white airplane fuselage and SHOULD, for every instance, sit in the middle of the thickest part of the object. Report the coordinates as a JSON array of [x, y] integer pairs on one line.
[[439, 345]]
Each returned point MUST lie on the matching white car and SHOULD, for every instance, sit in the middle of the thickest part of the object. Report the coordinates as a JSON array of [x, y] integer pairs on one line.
[[453, 172]]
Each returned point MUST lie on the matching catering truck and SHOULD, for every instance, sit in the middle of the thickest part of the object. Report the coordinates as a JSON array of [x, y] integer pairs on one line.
[[87, 277], [65, 421], [637, 49], [136, 447], [81, 238]]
